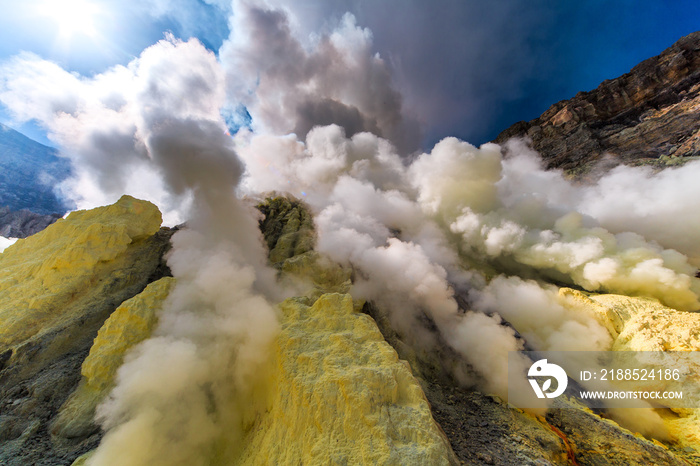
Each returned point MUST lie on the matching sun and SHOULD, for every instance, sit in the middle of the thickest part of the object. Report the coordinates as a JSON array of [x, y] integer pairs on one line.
[[73, 17]]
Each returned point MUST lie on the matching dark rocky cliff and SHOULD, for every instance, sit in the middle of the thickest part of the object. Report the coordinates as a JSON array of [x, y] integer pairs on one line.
[[649, 115], [23, 223]]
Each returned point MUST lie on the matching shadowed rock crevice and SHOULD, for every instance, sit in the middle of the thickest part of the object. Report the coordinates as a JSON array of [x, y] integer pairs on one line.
[[287, 227]]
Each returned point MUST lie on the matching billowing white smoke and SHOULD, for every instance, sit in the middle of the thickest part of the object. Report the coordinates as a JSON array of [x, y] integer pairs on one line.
[[541, 317], [411, 232], [184, 395], [181, 397], [361, 191], [103, 123], [481, 198], [289, 85]]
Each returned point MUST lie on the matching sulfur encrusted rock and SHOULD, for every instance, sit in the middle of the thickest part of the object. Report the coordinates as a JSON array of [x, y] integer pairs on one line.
[[644, 324], [57, 288], [344, 394], [132, 322], [287, 227], [640, 324], [40, 277]]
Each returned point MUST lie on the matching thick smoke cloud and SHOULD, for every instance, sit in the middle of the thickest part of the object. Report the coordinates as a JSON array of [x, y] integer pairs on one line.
[[472, 68], [368, 217], [291, 85], [104, 124], [498, 221], [451, 63], [414, 233], [153, 129], [184, 395]]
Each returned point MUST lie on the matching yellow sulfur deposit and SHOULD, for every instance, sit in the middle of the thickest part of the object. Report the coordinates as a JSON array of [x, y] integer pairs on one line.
[[644, 324], [342, 396], [647, 325], [338, 394], [41, 276], [131, 323], [640, 324]]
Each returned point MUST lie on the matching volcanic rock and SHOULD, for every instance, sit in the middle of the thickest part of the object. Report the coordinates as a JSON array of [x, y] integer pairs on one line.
[[650, 115], [56, 290], [23, 223]]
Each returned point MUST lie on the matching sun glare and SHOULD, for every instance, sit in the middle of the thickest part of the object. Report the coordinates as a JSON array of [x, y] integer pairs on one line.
[[72, 16]]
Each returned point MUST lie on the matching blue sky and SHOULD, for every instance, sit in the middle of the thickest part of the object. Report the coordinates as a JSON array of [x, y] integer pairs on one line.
[[465, 68]]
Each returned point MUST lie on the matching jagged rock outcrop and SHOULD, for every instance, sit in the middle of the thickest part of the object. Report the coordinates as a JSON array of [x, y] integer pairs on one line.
[[23, 223], [287, 228], [649, 115], [56, 290], [344, 393]]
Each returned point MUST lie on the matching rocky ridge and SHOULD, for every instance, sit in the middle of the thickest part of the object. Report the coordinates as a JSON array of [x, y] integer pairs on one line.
[[23, 223], [650, 115]]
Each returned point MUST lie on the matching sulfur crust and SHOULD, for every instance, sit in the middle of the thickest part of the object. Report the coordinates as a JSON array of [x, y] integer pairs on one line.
[[343, 395], [132, 322], [41, 275], [335, 391], [644, 324], [339, 394]]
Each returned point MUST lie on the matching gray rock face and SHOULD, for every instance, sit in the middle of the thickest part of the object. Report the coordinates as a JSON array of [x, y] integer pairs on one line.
[[23, 223], [649, 115]]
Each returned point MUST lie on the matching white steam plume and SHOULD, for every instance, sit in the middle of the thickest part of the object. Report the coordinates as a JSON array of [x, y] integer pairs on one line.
[[184, 396], [479, 197], [289, 85], [103, 123], [360, 190], [153, 128], [410, 232]]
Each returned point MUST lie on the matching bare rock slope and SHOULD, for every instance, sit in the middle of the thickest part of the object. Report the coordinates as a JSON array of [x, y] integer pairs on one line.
[[649, 115]]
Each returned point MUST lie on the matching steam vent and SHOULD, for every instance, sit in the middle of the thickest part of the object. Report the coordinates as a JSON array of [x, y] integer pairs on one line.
[[374, 326]]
